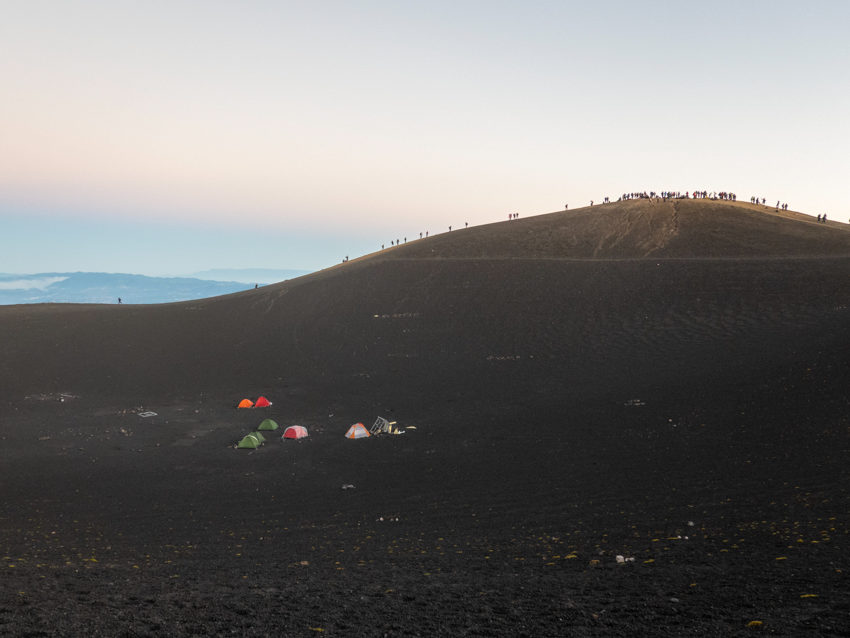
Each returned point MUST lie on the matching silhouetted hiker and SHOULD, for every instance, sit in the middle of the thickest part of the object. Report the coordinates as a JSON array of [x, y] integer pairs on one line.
[[426, 233], [405, 240], [466, 224], [119, 298], [450, 229], [818, 221], [256, 286], [382, 246], [420, 235], [824, 218], [566, 206], [591, 202]]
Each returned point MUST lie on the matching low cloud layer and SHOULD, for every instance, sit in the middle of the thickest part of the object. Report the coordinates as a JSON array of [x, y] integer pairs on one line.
[[37, 283]]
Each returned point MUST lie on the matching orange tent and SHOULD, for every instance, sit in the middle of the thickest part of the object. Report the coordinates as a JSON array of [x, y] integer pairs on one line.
[[246, 403], [357, 431], [262, 402]]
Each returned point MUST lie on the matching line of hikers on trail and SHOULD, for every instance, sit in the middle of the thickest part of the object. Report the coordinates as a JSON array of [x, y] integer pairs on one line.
[[665, 195], [425, 234], [763, 202]]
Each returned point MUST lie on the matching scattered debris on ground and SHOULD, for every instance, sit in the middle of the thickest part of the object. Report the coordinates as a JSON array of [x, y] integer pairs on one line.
[[52, 396]]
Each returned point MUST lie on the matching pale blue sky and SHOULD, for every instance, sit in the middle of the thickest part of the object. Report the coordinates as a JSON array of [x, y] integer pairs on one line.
[[172, 137]]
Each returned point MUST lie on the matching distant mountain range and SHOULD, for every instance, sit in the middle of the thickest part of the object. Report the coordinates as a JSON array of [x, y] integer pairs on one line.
[[249, 275], [90, 287]]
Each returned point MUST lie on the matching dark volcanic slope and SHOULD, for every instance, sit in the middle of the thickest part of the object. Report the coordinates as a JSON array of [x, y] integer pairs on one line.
[[642, 228], [583, 384]]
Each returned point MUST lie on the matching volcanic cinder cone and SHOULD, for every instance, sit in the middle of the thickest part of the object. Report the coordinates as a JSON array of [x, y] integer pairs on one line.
[[657, 381]]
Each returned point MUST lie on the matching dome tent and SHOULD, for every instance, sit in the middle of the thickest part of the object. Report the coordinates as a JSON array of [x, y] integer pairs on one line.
[[294, 432], [357, 431], [268, 424], [249, 442]]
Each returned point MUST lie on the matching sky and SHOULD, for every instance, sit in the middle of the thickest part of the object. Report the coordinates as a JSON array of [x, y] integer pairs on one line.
[[170, 137]]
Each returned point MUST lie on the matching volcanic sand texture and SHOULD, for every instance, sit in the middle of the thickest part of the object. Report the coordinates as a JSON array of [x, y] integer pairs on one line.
[[583, 384]]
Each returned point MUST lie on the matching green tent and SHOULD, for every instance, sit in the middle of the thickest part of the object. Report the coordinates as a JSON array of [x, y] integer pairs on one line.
[[268, 424], [250, 442], [259, 436]]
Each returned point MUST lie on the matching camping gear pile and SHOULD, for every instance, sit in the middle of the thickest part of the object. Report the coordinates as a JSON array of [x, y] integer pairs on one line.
[[382, 426]]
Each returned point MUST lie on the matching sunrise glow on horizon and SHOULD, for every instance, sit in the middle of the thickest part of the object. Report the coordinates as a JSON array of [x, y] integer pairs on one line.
[[333, 127]]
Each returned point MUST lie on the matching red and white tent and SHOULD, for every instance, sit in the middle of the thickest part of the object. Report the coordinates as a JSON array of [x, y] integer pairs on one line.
[[294, 432]]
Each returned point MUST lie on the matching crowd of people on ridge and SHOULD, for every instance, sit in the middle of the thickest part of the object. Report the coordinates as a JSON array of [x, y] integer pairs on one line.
[[732, 197], [664, 195]]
